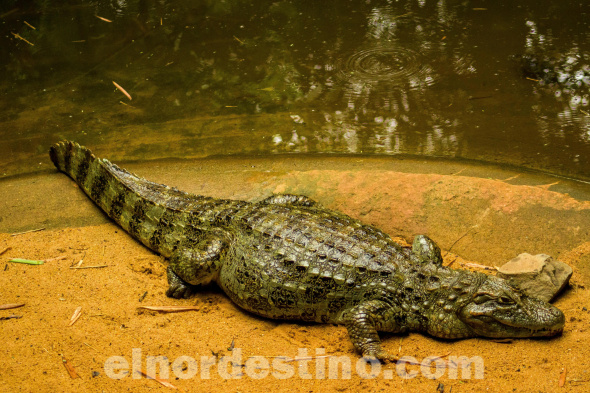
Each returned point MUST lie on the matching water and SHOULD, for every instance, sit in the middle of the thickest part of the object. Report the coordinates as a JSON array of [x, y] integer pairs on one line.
[[420, 78]]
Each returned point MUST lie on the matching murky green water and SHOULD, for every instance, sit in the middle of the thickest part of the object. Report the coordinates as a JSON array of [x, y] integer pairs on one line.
[[417, 77]]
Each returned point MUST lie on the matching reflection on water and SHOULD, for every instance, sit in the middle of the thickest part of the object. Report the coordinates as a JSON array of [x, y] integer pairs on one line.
[[385, 83], [388, 64], [209, 77], [563, 74]]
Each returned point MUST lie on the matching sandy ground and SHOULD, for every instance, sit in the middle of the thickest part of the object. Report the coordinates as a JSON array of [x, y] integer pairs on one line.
[[486, 215]]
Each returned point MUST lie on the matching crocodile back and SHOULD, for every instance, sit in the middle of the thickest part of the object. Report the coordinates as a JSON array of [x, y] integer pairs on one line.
[[308, 263]]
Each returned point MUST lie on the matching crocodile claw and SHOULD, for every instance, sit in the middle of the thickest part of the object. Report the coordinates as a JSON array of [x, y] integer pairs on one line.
[[178, 289], [179, 292]]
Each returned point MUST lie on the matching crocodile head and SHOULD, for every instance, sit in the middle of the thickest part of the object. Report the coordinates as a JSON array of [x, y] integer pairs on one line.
[[497, 309], [473, 304]]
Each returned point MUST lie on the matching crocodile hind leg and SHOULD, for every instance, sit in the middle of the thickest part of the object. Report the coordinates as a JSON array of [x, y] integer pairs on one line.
[[364, 320], [194, 266]]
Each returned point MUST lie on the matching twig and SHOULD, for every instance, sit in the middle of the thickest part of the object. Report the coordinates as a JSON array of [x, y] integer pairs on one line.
[[11, 306], [21, 38], [170, 308], [28, 24], [55, 259], [104, 19], [32, 230], [161, 381], [80, 262], [88, 267], [13, 316], [122, 90], [88, 345], [305, 358], [6, 249], [126, 104], [478, 266], [457, 241]]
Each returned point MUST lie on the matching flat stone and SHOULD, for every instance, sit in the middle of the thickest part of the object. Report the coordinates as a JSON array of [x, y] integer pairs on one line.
[[538, 275]]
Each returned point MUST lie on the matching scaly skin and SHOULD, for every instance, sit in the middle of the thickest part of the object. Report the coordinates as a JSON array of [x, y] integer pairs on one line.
[[285, 257]]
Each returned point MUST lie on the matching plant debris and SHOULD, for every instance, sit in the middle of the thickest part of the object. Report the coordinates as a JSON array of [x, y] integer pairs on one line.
[[88, 267], [170, 308], [122, 90], [162, 381], [76, 316], [104, 19], [55, 259], [69, 368], [16, 35], [26, 261], [13, 316], [562, 377], [11, 306], [32, 230]]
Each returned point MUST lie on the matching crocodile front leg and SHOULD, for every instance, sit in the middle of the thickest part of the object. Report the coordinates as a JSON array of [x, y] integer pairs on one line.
[[364, 320], [194, 266]]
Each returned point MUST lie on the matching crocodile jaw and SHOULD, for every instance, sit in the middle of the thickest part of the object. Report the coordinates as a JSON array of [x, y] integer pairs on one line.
[[495, 324]]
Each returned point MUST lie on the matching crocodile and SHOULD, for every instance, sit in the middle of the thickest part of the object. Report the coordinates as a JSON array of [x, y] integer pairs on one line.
[[287, 257]]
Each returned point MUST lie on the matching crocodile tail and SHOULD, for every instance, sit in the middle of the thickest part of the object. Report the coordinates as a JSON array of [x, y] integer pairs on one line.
[[144, 209], [74, 160], [105, 182], [91, 173], [120, 194]]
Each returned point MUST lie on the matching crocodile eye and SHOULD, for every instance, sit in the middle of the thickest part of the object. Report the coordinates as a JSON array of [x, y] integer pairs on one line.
[[505, 300], [479, 299]]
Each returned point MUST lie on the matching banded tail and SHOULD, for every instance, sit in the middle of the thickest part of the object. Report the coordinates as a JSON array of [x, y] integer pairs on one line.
[[157, 215]]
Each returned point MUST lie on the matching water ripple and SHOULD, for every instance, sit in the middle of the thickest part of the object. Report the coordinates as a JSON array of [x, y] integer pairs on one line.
[[394, 65]]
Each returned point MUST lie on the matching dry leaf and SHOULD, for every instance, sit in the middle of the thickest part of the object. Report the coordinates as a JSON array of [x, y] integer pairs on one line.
[[87, 267], [76, 316], [69, 368], [162, 381], [122, 90], [562, 377], [12, 305], [170, 308], [104, 19]]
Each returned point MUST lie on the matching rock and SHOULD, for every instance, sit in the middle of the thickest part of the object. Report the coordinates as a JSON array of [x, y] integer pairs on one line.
[[537, 275]]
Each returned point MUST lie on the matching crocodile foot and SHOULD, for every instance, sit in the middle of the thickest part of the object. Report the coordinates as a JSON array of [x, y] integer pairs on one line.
[[177, 288]]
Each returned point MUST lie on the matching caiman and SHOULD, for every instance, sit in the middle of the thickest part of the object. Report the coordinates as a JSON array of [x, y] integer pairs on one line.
[[287, 257]]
